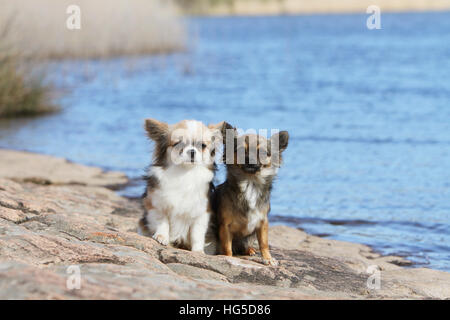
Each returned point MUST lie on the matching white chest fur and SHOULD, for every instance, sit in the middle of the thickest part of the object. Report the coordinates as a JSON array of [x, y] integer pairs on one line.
[[255, 215], [179, 206], [182, 191]]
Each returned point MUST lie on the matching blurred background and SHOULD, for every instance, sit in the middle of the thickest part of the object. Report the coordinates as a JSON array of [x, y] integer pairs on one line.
[[368, 111]]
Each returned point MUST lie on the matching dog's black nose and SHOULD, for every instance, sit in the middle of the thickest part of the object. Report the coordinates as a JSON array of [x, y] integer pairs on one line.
[[192, 153], [252, 168]]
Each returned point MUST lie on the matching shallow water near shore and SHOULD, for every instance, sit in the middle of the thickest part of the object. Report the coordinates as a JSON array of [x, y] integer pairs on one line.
[[368, 114]]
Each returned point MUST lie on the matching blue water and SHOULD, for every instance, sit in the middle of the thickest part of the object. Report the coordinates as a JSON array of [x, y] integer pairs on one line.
[[368, 112]]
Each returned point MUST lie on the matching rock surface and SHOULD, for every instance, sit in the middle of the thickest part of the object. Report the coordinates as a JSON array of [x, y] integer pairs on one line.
[[46, 228], [42, 169]]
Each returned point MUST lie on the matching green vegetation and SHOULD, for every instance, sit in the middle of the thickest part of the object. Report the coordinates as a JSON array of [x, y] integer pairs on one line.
[[21, 95]]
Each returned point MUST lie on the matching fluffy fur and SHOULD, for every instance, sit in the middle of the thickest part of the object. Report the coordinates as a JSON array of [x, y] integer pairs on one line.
[[179, 183], [242, 203]]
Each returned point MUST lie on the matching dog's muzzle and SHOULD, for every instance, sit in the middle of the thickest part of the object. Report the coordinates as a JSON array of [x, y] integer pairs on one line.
[[252, 168], [192, 155]]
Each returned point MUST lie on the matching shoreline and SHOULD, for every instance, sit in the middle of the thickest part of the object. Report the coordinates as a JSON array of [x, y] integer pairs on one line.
[[119, 181], [312, 14], [122, 181], [302, 7], [54, 213]]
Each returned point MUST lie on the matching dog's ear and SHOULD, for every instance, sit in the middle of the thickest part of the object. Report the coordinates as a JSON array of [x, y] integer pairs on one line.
[[222, 128], [282, 138], [228, 136], [217, 129], [228, 132], [217, 126], [156, 130]]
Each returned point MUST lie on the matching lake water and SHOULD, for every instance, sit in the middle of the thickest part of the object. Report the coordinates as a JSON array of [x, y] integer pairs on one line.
[[368, 112]]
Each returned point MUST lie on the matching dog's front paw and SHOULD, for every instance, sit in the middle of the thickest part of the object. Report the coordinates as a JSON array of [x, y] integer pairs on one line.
[[271, 262], [250, 251], [199, 250], [161, 239]]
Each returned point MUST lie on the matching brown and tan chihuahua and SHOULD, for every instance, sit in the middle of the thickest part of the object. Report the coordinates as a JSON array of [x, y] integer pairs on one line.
[[242, 203]]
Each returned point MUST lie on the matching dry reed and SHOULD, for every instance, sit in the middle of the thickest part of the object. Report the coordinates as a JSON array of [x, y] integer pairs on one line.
[[108, 28]]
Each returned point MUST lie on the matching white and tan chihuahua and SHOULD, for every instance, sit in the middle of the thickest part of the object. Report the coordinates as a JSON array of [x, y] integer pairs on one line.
[[179, 182]]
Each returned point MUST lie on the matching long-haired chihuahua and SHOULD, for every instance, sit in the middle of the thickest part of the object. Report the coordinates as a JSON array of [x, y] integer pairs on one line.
[[242, 202], [179, 182]]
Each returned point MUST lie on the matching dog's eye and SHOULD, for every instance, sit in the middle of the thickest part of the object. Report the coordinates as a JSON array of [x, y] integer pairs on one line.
[[176, 143], [203, 146]]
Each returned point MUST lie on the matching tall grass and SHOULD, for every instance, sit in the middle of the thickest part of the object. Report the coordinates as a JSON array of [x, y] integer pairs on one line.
[[35, 30], [21, 92], [108, 28]]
